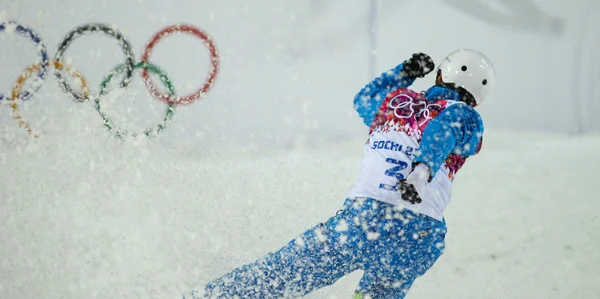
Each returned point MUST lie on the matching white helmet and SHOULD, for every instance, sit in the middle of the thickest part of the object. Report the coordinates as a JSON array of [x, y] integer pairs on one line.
[[470, 70]]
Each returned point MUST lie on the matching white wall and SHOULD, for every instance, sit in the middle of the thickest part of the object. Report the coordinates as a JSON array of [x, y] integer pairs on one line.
[[289, 70]]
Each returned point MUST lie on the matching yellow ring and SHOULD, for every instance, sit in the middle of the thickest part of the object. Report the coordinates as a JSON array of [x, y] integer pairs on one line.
[[26, 74]]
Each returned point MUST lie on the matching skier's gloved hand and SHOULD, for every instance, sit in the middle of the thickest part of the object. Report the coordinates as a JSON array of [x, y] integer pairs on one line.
[[413, 186], [408, 192], [419, 65]]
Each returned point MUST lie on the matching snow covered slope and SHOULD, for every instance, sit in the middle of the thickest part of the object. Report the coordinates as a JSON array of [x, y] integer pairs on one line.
[[93, 217]]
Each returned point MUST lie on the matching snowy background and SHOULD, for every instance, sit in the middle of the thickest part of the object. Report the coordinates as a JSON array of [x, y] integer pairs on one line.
[[274, 146]]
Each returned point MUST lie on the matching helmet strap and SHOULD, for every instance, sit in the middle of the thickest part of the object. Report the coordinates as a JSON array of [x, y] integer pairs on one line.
[[465, 96]]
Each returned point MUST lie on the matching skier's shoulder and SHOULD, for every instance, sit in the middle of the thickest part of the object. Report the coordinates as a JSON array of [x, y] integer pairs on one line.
[[461, 112], [404, 94]]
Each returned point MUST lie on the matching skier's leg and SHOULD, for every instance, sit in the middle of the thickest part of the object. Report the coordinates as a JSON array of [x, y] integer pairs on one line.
[[313, 260], [373, 285], [407, 247]]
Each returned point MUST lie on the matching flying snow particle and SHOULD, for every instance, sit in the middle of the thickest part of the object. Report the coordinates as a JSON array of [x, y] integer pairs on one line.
[[456, 124], [320, 236], [372, 236], [342, 226]]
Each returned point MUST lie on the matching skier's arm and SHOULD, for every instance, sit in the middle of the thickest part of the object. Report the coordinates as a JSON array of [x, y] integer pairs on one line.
[[458, 129], [369, 99]]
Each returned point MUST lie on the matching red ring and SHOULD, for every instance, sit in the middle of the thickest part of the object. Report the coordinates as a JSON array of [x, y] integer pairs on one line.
[[214, 57]]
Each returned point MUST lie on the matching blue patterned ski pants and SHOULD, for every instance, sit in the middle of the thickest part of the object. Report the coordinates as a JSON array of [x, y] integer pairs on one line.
[[393, 246]]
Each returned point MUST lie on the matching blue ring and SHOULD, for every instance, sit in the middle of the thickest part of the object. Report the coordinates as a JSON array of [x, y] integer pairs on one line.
[[40, 49]]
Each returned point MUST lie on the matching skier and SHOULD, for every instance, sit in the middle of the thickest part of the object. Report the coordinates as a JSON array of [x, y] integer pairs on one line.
[[392, 225]]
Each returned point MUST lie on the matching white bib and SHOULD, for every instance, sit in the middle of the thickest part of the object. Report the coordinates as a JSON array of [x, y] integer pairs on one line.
[[389, 154]]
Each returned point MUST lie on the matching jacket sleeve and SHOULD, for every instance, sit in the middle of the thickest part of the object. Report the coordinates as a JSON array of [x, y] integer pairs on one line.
[[457, 130], [368, 99]]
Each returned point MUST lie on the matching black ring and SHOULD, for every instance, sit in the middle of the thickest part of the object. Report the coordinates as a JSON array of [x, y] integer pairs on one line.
[[92, 28]]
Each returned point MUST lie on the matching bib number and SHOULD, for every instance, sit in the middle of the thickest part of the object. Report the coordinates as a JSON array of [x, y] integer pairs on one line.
[[394, 172], [408, 191]]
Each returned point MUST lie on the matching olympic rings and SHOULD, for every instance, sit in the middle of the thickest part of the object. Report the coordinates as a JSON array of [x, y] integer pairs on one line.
[[127, 68], [214, 58], [91, 28], [407, 101], [21, 82], [108, 123], [41, 51]]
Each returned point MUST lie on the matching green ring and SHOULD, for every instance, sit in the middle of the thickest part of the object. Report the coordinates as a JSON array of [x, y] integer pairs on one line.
[[108, 123]]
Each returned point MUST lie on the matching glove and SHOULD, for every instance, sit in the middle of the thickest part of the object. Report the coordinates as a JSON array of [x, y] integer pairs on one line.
[[419, 65], [409, 193], [414, 184]]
